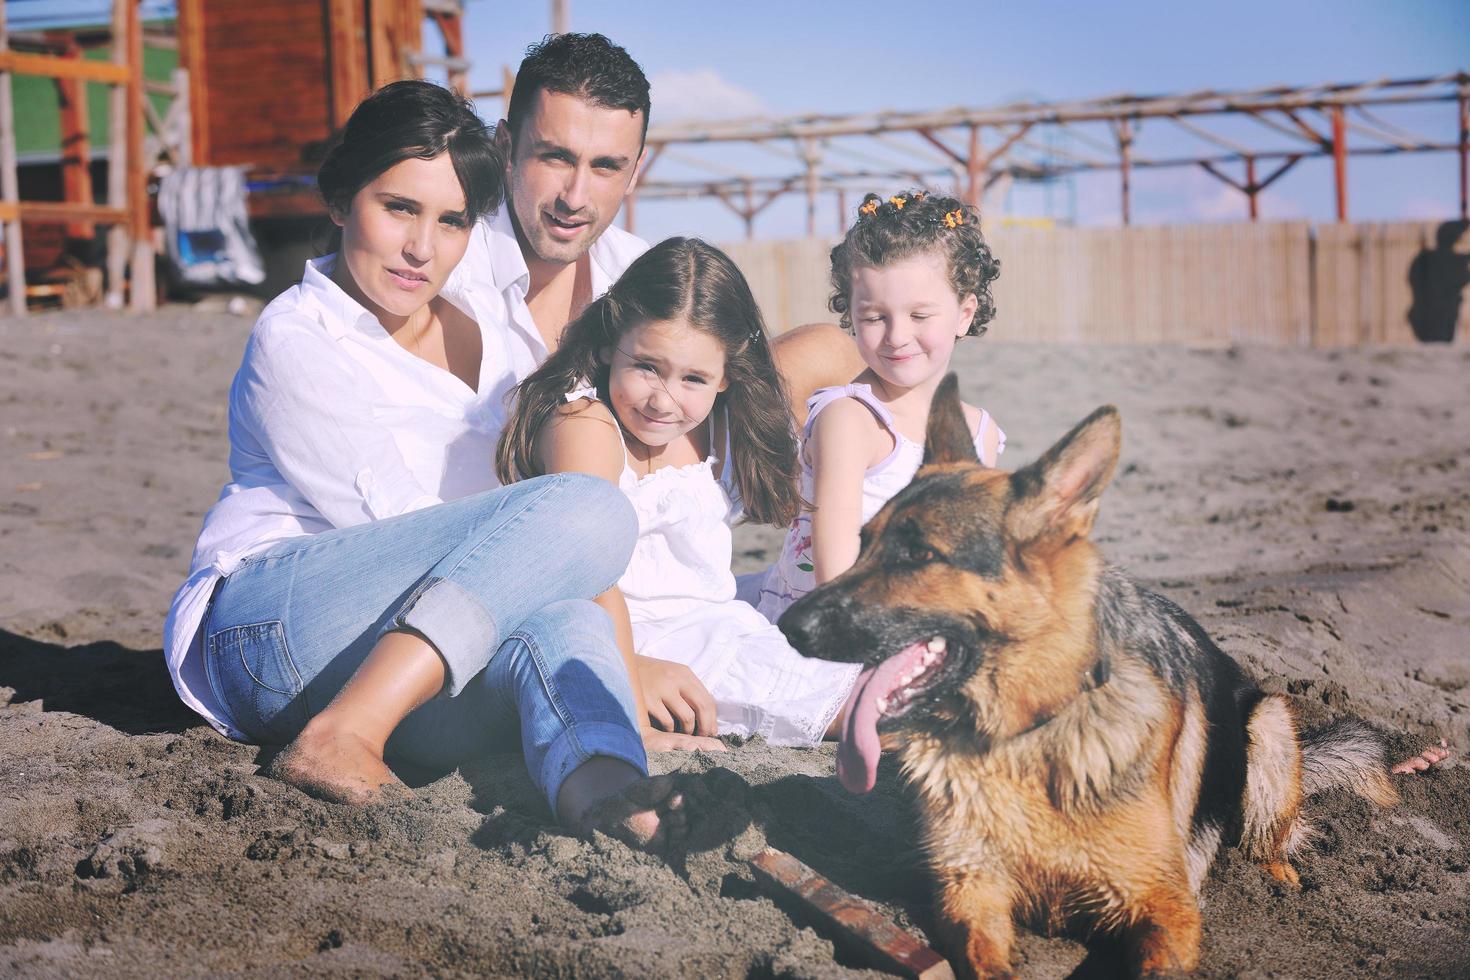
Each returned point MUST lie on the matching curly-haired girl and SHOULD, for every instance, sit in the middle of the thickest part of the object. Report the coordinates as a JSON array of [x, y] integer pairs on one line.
[[910, 278]]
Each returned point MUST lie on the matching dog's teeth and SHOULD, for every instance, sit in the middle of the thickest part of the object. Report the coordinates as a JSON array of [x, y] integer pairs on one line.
[[937, 644], [882, 705], [906, 678]]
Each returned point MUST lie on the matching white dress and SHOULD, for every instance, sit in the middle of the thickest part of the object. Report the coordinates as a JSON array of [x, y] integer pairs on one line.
[[681, 599], [794, 575]]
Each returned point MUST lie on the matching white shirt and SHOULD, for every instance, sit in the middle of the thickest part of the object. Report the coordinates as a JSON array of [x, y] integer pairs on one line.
[[494, 263], [333, 424]]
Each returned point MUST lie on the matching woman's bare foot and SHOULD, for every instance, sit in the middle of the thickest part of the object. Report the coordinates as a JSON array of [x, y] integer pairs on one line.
[[606, 794], [1431, 756], [333, 765]]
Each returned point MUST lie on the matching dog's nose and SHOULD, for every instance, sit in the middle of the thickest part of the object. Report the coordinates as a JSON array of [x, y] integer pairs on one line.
[[802, 624]]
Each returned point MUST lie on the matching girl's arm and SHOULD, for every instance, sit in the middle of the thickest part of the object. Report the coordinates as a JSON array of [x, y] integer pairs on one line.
[[583, 438], [845, 441]]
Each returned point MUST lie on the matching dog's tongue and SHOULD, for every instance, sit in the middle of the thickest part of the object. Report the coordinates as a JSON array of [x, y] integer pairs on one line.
[[857, 755]]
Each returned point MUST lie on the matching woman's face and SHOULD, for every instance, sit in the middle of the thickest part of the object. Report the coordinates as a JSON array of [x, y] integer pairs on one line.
[[663, 379], [403, 235]]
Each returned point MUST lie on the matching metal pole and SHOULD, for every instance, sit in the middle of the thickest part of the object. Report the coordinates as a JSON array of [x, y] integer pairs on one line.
[[15, 264], [1339, 161]]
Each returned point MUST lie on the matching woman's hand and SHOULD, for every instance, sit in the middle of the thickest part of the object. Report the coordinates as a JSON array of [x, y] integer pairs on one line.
[[675, 698], [657, 741]]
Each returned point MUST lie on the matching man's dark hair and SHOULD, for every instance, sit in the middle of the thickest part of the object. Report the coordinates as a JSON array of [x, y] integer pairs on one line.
[[588, 66]]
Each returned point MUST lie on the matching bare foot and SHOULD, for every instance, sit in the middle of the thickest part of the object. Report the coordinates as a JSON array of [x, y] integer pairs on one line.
[[336, 766], [1431, 756], [646, 813]]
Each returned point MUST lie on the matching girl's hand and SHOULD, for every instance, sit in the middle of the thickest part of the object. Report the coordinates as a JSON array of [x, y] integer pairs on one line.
[[657, 741], [675, 698]]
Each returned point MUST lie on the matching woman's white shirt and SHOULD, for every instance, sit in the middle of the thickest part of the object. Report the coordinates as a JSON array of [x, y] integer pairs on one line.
[[332, 424]]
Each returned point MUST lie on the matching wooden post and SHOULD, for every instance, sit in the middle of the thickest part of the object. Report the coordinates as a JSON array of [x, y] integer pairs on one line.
[[348, 58], [974, 169], [1339, 161], [119, 240], [76, 152], [561, 16], [191, 59], [1251, 190], [142, 296], [813, 159], [841, 210], [15, 263], [1464, 152], [1125, 167]]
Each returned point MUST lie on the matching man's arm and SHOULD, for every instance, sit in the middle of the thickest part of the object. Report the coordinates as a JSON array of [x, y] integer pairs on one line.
[[812, 356]]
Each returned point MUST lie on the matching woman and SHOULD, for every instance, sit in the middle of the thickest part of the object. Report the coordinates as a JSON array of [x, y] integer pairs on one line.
[[361, 589]]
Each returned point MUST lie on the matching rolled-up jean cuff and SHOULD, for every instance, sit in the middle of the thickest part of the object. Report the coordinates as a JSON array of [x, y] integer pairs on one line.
[[584, 741], [450, 617]]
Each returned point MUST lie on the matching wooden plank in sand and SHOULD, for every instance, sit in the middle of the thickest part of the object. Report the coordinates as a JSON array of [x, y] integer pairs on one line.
[[857, 924]]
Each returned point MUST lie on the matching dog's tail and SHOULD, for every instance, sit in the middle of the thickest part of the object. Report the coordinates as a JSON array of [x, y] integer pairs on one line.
[[1284, 765], [1350, 755]]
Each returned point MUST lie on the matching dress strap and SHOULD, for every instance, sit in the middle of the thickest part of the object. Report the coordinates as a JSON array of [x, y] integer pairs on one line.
[[823, 397], [986, 424], [588, 392]]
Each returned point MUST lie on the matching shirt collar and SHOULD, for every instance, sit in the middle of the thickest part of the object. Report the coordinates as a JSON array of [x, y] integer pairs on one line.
[[609, 254], [341, 312]]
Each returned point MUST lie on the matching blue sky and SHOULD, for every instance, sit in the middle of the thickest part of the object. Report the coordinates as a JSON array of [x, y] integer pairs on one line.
[[791, 57], [762, 56]]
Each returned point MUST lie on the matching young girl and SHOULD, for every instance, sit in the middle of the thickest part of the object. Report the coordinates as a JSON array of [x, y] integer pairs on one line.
[[666, 387], [912, 276]]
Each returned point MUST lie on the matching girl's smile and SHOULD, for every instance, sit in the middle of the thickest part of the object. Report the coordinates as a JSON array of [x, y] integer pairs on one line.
[[906, 318], [663, 380]]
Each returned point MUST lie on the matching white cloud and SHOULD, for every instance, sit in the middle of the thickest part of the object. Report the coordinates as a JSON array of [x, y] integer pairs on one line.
[[701, 94]]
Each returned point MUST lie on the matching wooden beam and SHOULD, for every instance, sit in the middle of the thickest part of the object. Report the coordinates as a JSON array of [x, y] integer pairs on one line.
[[76, 150], [57, 212], [15, 263], [50, 66], [192, 60]]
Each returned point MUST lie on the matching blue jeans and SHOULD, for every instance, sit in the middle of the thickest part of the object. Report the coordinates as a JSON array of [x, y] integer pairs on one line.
[[499, 582]]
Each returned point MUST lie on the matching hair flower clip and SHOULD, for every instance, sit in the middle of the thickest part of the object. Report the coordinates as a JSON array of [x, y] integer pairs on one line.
[[868, 208], [954, 218], [898, 202]]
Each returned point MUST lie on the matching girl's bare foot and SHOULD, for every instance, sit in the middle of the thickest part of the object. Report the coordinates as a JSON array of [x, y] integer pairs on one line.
[[1431, 756], [333, 765], [606, 794]]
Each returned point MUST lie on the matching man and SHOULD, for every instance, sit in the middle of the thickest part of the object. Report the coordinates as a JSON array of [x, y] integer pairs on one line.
[[574, 145]]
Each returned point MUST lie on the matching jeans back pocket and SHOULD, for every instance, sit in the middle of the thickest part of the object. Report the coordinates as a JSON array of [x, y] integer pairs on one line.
[[257, 681]]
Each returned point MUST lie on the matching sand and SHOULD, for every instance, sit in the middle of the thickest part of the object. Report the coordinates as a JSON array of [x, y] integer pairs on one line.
[[1309, 508]]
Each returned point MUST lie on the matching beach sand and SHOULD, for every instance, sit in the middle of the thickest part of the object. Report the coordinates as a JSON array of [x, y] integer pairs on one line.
[[1309, 508]]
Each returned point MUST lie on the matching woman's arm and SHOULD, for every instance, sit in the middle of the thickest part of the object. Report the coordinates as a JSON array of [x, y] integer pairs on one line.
[[304, 404], [841, 448], [582, 437]]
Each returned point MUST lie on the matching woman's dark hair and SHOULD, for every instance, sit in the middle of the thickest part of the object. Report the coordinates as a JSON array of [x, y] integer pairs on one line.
[[916, 223], [685, 279], [588, 66], [419, 119]]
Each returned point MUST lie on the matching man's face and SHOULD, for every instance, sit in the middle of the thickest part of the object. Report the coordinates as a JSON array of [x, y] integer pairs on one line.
[[570, 166]]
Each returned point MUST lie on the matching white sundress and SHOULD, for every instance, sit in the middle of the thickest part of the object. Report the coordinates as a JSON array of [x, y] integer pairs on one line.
[[794, 575], [681, 600]]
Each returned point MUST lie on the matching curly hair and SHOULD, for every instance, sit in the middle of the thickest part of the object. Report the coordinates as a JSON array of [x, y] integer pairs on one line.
[[588, 66], [688, 279], [889, 230]]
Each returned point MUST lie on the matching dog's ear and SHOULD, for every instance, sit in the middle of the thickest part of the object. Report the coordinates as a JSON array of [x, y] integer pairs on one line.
[[1056, 497], [947, 438]]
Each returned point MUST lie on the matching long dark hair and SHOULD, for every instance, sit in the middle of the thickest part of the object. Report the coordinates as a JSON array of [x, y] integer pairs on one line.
[[688, 279], [413, 118]]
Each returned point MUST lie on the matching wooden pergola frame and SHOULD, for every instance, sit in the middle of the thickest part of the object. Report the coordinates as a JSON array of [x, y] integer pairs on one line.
[[129, 243], [989, 136]]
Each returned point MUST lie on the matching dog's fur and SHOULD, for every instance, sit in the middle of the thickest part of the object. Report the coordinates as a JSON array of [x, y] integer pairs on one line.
[[1083, 749]]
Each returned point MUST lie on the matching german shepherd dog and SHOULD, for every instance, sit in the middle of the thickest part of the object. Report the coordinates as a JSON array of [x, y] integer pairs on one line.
[[1079, 748]]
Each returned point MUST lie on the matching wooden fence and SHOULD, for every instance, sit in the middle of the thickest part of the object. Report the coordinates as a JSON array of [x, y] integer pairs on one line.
[[1284, 284]]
